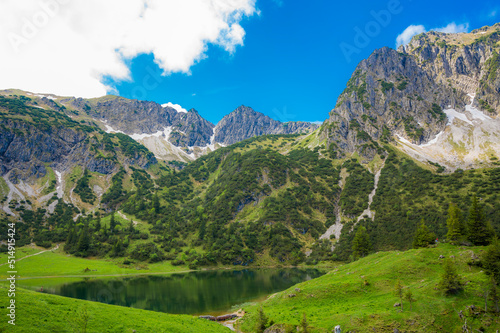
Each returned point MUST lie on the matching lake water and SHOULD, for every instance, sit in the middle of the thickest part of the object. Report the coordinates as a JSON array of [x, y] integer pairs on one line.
[[201, 292]]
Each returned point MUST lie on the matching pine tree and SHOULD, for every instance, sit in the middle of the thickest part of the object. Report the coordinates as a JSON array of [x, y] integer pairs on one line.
[[454, 223], [83, 241], [491, 260], [261, 320], [98, 223], [361, 243], [423, 236], [117, 248], [71, 240], [156, 203], [303, 324], [477, 228], [399, 292], [112, 223], [409, 298], [450, 281], [494, 293], [131, 227]]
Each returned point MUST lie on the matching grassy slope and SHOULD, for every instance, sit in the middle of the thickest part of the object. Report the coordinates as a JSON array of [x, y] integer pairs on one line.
[[41, 313], [58, 263], [342, 298]]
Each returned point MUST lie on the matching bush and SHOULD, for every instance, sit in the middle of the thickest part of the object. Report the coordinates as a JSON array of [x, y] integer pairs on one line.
[[147, 252], [44, 244]]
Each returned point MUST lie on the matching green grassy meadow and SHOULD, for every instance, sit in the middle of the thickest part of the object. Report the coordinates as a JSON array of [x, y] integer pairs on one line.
[[37, 312], [59, 264], [360, 296]]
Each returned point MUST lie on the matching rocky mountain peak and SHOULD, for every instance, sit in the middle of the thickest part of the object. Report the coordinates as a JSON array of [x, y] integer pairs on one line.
[[244, 123], [404, 94]]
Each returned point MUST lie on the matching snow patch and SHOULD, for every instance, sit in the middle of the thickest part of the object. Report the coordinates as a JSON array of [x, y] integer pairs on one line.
[[452, 114], [212, 140], [46, 96], [476, 114], [177, 107], [59, 189], [433, 141], [110, 129], [403, 139], [138, 137]]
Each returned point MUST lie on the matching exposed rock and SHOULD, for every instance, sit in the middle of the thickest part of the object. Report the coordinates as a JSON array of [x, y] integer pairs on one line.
[[145, 122], [244, 123], [404, 94]]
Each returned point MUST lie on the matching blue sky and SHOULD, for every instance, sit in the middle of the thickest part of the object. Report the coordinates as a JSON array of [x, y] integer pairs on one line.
[[281, 57], [291, 66]]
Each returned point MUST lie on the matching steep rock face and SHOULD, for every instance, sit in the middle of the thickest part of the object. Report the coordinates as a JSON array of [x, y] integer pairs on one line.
[[190, 129], [471, 67], [26, 149], [33, 138], [244, 123], [143, 117], [182, 136], [404, 94]]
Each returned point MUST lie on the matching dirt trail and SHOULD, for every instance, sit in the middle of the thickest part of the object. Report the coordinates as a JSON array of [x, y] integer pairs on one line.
[[126, 218], [35, 254]]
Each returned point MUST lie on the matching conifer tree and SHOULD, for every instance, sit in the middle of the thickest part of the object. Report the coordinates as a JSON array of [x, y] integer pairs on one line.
[[71, 240], [477, 228], [399, 292], [98, 223], [83, 241], [361, 244], [409, 298], [494, 293], [112, 223], [117, 248], [423, 236], [450, 281], [303, 324], [454, 224], [491, 260], [156, 203], [261, 320]]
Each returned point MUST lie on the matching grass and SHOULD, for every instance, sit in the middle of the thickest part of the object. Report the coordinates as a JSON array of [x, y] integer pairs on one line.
[[58, 264], [360, 296], [37, 312]]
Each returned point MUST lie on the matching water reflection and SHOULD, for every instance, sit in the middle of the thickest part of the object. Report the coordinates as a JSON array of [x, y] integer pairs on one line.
[[188, 293]]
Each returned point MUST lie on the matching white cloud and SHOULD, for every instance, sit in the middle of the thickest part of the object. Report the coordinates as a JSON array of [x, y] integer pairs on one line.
[[177, 107], [406, 36], [453, 28], [493, 13], [66, 47], [413, 30]]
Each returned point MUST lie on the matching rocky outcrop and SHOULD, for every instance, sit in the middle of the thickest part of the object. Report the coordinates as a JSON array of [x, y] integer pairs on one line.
[[32, 139], [244, 123], [404, 93], [143, 117], [185, 129]]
